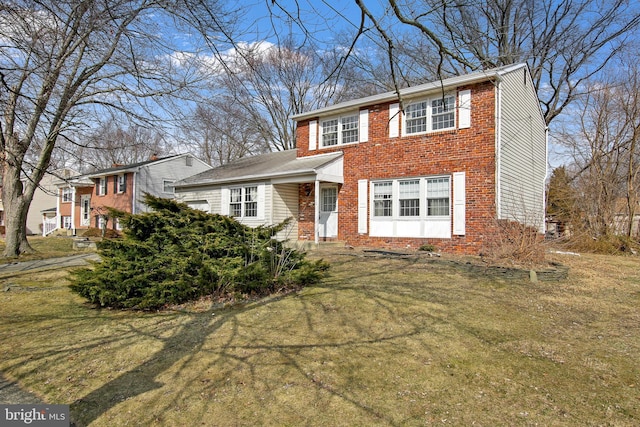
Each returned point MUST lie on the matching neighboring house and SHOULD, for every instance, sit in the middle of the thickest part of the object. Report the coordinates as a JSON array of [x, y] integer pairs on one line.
[[439, 164], [83, 201], [44, 199]]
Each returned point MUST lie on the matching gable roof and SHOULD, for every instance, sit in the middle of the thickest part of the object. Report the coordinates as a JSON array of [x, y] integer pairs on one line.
[[438, 85], [263, 166], [131, 167]]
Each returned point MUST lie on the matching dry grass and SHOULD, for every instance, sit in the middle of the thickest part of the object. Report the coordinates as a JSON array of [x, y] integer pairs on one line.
[[45, 247], [381, 342]]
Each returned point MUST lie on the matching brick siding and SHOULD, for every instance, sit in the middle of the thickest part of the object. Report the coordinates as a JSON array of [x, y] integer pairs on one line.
[[470, 150]]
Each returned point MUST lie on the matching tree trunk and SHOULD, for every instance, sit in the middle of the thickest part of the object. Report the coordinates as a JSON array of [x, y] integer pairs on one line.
[[16, 206]]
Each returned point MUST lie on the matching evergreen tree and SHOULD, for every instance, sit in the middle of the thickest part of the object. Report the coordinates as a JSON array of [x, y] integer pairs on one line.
[[176, 254]]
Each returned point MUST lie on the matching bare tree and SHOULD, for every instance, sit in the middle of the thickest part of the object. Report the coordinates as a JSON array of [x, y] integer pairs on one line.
[[565, 42], [604, 144], [115, 142], [272, 82], [65, 62], [218, 132]]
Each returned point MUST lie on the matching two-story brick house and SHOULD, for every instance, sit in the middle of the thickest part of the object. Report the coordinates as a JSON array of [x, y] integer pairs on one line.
[[439, 164], [83, 200]]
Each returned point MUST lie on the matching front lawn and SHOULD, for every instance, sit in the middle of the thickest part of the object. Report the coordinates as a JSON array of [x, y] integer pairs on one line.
[[382, 341], [45, 247]]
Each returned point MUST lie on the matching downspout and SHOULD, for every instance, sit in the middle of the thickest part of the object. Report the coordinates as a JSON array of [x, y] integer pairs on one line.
[[498, 119], [73, 210], [546, 176], [316, 226], [134, 188], [58, 217]]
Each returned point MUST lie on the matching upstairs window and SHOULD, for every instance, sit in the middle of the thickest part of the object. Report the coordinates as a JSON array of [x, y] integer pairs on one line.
[[101, 189], [443, 113], [121, 183], [167, 186], [416, 117], [67, 194], [340, 130], [430, 115]]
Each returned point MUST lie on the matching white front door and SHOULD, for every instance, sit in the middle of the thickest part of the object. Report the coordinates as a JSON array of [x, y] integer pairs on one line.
[[85, 210], [328, 225]]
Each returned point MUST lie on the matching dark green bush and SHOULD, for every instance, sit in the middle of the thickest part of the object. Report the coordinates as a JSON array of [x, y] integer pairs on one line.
[[177, 254]]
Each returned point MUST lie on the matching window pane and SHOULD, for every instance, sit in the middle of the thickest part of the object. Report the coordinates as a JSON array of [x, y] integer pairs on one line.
[[329, 132], [236, 195], [349, 129], [382, 198], [235, 205], [438, 196], [329, 198], [438, 207], [416, 117], [443, 113], [410, 198], [251, 201]]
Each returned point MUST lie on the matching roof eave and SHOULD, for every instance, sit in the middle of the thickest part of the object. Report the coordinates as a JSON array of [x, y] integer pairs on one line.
[[409, 91]]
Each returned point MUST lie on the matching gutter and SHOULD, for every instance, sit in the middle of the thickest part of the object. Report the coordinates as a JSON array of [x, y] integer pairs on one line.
[[408, 92]]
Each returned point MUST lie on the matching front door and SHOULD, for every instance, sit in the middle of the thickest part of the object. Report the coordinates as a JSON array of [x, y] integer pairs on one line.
[[85, 210], [328, 226]]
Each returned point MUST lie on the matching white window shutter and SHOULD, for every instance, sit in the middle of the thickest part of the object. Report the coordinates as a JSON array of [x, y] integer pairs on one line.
[[363, 203], [261, 201], [313, 134], [363, 133], [394, 120], [464, 109], [459, 202], [225, 199]]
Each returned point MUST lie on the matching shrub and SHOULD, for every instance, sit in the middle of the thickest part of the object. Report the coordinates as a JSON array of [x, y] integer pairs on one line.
[[176, 254], [427, 248], [515, 242], [96, 232]]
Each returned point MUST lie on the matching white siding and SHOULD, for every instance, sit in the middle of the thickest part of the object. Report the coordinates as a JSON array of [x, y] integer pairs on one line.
[[285, 205], [276, 203], [211, 195], [522, 164], [150, 179]]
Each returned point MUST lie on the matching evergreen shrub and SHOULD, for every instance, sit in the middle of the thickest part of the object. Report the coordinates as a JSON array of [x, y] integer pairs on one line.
[[176, 254]]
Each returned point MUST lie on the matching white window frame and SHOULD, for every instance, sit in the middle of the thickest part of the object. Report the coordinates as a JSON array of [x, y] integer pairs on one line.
[[168, 183], [382, 200], [406, 195], [414, 221], [436, 194], [67, 195], [243, 201], [102, 186], [397, 195], [122, 183], [347, 130], [432, 108], [66, 222]]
